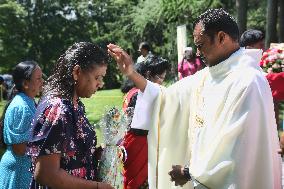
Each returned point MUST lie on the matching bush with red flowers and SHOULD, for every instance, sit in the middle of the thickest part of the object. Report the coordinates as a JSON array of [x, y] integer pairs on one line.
[[272, 60]]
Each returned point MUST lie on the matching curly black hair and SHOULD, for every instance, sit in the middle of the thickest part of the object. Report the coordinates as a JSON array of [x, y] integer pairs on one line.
[[215, 20], [86, 55], [154, 65]]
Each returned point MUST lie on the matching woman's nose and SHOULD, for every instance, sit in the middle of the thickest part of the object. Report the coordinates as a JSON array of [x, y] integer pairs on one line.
[[101, 84]]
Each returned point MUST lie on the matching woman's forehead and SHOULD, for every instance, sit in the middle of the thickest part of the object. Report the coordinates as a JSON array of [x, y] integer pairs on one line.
[[97, 69]]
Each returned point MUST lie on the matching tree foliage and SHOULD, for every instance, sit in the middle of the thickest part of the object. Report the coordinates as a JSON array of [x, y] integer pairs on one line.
[[41, 30]]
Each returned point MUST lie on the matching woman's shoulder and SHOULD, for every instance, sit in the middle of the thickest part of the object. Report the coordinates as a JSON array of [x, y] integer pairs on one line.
[[21, 103], [55, 102], [54, 108]]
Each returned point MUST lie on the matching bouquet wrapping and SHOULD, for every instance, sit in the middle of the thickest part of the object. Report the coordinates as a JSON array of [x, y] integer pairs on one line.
[[113, 126]]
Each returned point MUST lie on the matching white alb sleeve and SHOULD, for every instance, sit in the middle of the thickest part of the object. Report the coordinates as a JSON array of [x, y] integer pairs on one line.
[[144, 106]]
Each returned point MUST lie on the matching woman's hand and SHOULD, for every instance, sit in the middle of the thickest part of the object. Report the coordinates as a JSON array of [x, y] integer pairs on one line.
[[123, 60], [99, 152], [102, 185], [59, 178], [177, 175]]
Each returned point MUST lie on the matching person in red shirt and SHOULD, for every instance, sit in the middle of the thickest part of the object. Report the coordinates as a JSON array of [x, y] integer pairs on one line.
[[276, 82]]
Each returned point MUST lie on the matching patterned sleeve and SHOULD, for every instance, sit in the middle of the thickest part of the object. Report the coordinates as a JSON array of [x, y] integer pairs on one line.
[[17, 124], [55, 125]]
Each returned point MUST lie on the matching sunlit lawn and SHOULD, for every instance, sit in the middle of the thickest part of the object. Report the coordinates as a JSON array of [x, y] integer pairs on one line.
[[100, 102]]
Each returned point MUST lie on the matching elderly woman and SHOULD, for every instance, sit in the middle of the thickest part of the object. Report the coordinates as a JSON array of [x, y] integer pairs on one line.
[[16, 125], [189, 64], [63, 145]]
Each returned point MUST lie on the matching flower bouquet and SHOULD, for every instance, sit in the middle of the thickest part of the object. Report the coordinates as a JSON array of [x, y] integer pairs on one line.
[[113, 126], [272, 60]]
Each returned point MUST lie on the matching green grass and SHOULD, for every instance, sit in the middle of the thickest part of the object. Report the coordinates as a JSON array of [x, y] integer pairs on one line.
[[100, 102], [97, 105]]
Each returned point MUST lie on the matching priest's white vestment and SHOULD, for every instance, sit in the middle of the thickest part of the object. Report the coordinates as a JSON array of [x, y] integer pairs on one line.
[[219, 121]]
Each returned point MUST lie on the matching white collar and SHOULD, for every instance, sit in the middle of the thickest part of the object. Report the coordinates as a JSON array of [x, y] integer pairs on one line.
[[241, 58]]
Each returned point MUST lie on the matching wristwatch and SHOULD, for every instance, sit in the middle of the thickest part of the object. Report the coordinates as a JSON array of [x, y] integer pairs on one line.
[[186, 173]]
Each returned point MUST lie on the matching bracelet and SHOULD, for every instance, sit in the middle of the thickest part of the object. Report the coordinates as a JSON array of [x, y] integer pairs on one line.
[[186, 173]]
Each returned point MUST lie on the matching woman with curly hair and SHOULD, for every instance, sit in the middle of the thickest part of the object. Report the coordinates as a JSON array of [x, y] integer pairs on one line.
[[63, 145]]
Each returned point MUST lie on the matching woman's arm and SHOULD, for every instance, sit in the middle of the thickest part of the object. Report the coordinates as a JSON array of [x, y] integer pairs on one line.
[[19, 149], [49, 173]]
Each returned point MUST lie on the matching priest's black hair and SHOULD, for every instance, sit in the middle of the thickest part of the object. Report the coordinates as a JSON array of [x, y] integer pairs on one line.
[[215, 20]]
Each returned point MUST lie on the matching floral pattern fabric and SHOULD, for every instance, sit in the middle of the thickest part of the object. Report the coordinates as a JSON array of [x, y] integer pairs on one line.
[[61, 128]]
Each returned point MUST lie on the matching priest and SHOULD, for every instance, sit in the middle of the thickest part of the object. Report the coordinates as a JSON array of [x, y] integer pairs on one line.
[[215, 129]]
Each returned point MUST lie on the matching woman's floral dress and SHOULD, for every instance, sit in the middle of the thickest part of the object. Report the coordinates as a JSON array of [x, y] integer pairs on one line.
[[61, 128]]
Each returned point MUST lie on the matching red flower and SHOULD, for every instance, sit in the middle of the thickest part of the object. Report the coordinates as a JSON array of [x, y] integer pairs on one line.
[[272, 60]]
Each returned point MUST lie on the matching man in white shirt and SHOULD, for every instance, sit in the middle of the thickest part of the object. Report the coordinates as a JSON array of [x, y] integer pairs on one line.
[[145, 51], [215, 129]]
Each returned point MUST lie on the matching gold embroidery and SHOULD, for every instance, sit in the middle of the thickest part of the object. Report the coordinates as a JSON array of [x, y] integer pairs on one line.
[[199, 121]]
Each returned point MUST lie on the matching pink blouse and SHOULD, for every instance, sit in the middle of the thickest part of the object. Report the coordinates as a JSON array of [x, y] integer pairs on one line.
[[186, 68]]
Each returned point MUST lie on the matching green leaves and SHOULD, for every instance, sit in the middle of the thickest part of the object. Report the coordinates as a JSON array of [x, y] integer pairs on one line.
[[43, 29]]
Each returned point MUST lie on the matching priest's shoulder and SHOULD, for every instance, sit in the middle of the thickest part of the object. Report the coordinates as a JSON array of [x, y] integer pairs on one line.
[[247, 76], [191, 80]]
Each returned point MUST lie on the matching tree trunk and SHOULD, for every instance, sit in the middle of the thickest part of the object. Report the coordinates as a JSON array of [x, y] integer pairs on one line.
[[271, 22], [242, 14], [281, 21]]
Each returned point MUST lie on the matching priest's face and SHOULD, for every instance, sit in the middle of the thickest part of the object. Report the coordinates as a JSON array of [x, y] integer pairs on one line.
[[208, 49]]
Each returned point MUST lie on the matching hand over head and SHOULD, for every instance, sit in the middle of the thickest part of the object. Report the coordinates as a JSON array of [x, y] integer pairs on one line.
[[123, 60]]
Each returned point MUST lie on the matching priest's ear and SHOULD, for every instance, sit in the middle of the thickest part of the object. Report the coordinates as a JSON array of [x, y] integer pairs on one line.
[[221, 37]]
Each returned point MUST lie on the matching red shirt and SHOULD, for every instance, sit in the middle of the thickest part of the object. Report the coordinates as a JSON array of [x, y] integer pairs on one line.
[[276, 82]]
